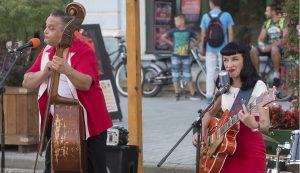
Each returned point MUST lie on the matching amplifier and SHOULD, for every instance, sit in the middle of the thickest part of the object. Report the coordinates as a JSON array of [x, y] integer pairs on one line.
[[122, 159]]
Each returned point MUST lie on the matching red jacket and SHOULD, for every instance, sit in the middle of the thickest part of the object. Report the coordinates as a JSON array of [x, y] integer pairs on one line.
[[84, 61]]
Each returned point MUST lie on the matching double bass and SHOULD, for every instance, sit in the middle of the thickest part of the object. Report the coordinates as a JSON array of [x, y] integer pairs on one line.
[[68, 142]]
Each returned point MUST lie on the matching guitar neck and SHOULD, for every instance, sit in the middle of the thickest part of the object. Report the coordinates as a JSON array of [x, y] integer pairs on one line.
[[262, 100], [234, 119]]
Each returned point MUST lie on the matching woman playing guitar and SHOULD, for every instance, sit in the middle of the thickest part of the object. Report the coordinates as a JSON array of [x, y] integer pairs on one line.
[[79, 81], [242, 147]]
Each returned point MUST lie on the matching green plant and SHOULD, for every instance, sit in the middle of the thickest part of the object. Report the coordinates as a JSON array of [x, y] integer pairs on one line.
[[291, 12], [24, 61], [21, 20]]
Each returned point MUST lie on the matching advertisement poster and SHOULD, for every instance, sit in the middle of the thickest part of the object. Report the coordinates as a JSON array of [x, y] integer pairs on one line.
[[191, 9], [163, 13], [92, 36], [159, 44], [109, 96]]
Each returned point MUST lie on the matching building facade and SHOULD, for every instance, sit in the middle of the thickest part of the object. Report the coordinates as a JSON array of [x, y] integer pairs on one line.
[[156, 18]]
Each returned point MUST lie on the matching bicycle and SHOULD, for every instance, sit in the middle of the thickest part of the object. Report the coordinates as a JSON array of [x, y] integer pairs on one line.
[[285, 93], [120, 69], [155, 77]]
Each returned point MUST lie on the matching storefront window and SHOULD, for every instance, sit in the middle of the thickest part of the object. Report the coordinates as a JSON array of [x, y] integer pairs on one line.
[[162, 23], [159, 19], [248, 16], [191, 9]]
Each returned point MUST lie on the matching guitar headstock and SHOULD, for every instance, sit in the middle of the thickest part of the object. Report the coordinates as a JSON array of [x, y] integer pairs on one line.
[[267, 97]]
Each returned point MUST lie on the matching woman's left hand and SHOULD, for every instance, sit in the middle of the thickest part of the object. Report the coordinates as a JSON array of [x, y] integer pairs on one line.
[[245, 116]]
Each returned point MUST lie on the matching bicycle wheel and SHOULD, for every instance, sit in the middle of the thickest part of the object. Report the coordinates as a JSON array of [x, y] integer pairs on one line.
[[201, 83], [151, 86], [121, 78]]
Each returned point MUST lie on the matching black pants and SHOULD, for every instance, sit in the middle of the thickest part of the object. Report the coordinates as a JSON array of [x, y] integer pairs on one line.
[[96, 153]]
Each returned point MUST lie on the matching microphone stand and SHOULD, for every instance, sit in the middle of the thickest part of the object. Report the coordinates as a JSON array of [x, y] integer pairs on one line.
[[2, 90], [196, 124]]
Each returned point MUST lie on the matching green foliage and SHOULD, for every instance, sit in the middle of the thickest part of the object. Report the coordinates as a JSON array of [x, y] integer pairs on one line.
[[25, 60], [291, 7], [20, 19]]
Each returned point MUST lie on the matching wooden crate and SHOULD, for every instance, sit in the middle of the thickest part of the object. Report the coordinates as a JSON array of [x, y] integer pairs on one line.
[[21, 117]]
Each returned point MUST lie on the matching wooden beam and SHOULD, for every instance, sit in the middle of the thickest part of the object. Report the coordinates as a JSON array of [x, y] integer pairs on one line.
[[134, 77]]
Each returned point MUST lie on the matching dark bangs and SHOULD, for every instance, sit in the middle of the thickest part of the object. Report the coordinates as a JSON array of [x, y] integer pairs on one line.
[[248, 75]]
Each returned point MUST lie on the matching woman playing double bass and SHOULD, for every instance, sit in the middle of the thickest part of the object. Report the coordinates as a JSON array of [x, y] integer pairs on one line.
[[78, 78]]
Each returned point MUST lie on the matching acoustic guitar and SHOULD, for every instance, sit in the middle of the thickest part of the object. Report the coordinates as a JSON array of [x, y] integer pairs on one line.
[[222, 135]]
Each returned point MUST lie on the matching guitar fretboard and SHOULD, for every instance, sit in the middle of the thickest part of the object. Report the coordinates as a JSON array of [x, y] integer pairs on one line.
[[229, 124]]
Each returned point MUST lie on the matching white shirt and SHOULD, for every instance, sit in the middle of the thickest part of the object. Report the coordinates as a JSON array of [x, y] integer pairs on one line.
[[63, 90], [228, 98]]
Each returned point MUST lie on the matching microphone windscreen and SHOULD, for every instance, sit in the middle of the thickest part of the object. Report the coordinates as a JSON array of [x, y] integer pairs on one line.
[[223, 78], [35, 42]]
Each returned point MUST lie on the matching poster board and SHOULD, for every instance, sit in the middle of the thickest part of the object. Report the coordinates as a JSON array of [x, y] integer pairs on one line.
[[91, 34]]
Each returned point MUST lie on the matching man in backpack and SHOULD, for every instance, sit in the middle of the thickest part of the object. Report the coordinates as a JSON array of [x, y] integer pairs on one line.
[[216, 32], [274, 31]]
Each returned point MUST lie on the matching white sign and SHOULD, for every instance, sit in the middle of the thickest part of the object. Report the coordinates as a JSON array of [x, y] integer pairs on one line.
[[109, 96]]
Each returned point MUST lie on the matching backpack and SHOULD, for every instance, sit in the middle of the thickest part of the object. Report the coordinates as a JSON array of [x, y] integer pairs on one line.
[[215, 34]]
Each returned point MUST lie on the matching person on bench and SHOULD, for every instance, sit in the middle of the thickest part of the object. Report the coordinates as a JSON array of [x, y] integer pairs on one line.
[[274, 32]]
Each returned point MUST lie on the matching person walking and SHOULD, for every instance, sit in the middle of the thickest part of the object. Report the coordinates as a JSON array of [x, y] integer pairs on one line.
[[216, 32]]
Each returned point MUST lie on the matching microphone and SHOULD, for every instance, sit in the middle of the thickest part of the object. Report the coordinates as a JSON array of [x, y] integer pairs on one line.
[[34, 42], [224, 83]]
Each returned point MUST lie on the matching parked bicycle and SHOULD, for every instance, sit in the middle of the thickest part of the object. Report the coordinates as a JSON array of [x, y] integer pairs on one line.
[[120, 70], [285, 92], [155, 76]]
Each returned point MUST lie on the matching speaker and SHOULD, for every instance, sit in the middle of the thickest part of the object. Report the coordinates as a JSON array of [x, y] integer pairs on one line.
[[122, 159]]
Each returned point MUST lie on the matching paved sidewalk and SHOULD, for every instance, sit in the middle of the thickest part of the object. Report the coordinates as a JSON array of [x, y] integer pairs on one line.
[[164, 122]]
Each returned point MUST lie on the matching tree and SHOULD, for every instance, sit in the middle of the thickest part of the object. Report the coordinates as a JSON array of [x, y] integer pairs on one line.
[[20, 19]]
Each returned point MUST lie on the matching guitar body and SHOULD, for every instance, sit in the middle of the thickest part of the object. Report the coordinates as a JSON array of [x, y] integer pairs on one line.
[[68, 144], [218, 147]]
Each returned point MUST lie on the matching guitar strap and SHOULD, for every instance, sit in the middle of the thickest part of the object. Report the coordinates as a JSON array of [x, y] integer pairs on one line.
[[242, 98]]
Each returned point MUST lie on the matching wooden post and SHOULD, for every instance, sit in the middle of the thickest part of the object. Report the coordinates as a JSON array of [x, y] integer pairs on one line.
[[134, 77]]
